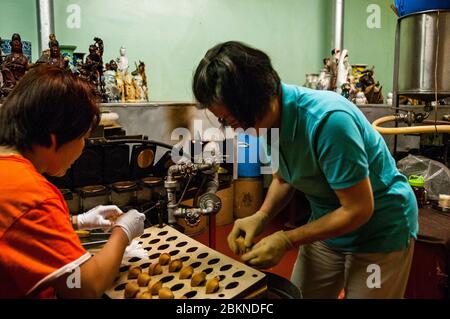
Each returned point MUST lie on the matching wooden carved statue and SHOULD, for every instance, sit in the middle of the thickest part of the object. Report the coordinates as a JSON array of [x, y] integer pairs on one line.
[[14, 65]]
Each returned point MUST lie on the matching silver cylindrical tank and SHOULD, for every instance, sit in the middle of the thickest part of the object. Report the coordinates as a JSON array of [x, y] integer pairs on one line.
[[424, 64]]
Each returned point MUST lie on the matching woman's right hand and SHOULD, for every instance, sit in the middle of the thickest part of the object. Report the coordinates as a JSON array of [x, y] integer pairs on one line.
[[132, 223], [250, 227]]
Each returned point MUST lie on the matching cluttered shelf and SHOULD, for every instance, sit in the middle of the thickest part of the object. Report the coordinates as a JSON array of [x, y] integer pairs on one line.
[[189, 104], [148, 104], [192, 103]]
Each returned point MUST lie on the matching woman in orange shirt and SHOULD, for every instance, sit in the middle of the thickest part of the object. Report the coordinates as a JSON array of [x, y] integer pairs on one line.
[[43, 124]]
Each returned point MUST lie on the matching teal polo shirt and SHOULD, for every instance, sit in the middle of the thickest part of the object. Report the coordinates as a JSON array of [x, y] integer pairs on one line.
[[327, 144]]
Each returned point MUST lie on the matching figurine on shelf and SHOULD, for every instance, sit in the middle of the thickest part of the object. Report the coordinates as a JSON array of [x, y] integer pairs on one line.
[[120, 86], [324, 81], [78, 58], [100, 49], [360, 98], [112, 92], [91, 65], [346, 89], [139, 92], [56, 59], [343, 71], [371, 89], [140, 78], [52, 39], [52, 55], [373, 94], [92, 69], [122, 61], [367, 79], [130, 88], [389, 98], [333, 65], [311, 81], [357, 73], [15, 65]]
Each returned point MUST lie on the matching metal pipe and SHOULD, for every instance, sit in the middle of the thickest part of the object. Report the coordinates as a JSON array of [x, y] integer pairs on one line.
[[396, 96], [46, 22], [213, 183], [171, 185], [212, 231], [407, 130], [339, 24]]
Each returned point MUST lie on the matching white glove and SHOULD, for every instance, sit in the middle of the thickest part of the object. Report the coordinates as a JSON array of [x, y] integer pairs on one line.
[[251, 226], [98, 217], [132, 223], [269, 251]]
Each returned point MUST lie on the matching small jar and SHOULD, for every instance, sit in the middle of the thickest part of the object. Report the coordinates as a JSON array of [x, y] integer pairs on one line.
[[418, 185]]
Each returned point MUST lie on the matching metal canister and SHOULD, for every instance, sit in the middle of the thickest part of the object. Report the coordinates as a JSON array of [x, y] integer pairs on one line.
[[424, 62], [124, 193], [151, 188], [92, 196]]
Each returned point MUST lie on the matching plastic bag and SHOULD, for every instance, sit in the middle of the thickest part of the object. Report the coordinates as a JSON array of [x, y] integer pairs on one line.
[[436, 174]]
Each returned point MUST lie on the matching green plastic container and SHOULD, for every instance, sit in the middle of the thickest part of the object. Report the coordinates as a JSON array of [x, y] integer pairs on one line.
[[418, 185], [417, 181]]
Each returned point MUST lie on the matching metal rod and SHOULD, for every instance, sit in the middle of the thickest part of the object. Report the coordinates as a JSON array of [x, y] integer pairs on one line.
[[396, 97], [212, 231], [46, 22], [339, 24]]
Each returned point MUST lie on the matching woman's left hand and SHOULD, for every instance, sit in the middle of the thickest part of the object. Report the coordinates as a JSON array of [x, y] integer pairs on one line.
[[268, 251], [99, 217]]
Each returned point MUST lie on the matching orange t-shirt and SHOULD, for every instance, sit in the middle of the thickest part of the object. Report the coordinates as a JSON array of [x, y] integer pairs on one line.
[[37, 240]]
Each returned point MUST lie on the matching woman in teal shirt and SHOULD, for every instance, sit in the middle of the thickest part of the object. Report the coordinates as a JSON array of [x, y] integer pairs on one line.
[[364, 216]]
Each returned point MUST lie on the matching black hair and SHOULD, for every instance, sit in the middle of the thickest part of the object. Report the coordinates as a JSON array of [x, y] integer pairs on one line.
[[238, 77], [47, 100]]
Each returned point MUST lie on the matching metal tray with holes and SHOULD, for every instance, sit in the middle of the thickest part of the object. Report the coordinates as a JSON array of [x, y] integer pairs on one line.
[[237, 280]]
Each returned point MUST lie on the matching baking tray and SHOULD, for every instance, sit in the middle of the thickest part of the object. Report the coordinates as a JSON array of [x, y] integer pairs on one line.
[[237, 280]]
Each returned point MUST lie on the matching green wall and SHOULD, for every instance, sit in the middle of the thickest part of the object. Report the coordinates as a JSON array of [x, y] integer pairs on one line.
[[19, 16], [171, 36], [372, 46]]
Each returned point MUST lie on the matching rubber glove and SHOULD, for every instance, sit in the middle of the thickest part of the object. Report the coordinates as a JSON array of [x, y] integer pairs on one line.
[[98, 217], [268, 251], [132, 223], [251, 226]]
